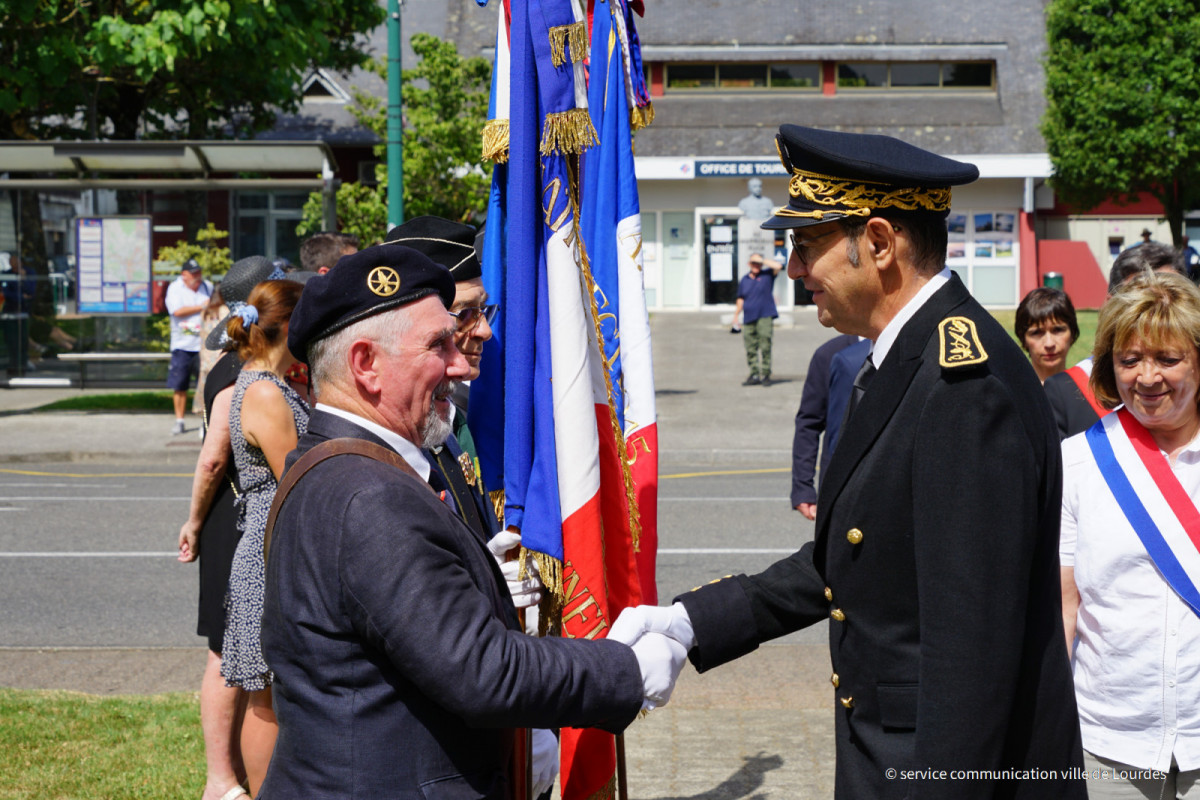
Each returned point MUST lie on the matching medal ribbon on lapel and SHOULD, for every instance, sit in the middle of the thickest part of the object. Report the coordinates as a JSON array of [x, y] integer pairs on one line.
[[1169, 549]]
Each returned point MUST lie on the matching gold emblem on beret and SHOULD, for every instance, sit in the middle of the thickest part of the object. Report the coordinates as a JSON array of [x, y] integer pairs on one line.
[[383, 281], [959, 345]]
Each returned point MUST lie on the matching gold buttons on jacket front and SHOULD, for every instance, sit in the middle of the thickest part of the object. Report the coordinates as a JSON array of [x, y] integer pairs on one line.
[[854, 536], [828, 593], [835, 680], [838, 615], [847, 702]]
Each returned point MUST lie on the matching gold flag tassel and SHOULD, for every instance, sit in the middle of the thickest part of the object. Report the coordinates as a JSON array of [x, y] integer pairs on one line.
[[563, 36], [568, 132], [495, 141], [578, 40], [553, 601], [641, 116]]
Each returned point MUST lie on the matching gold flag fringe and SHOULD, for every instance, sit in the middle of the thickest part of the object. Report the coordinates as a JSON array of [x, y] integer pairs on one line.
[[635, 516], [568, 132], [606, 792], [553, 600], [495, 141], [497, 499], [563, 36], [641, 116]]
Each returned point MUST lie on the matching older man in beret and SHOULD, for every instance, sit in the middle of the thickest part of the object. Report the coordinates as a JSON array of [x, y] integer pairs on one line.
[[935, 559], [399, 668], [452, 244]]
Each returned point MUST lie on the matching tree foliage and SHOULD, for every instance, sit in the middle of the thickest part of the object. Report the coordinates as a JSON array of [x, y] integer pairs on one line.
[[1123, 93], [445, 99], [127, 69], [213, 258]]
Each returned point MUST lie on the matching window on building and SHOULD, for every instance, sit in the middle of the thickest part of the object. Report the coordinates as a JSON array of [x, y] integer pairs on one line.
[[983, 249], [919, 75], [741, 76], [691, 76], [265, 224]]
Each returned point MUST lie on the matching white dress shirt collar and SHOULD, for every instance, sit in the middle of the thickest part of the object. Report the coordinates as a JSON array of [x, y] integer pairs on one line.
[[407, 450], [887, 337]]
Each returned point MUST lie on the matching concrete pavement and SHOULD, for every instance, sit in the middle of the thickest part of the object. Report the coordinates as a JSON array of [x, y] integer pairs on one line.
[[761, 727]]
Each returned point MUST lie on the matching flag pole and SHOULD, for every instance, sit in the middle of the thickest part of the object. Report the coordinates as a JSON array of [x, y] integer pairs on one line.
[[622, 778]]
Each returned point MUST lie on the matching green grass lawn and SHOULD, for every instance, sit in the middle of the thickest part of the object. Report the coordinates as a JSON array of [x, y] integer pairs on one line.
[[1083, 345], [70, 746], [117, 401]]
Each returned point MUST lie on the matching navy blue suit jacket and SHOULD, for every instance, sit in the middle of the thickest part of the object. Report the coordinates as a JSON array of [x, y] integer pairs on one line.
[[812, 418], [399, 669], [843, 369]]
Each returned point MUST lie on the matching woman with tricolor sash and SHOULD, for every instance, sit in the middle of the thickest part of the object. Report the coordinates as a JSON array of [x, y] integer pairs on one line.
[[1130, 546]]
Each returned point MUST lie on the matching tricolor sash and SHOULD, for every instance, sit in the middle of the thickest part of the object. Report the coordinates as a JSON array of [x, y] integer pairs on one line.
[[1077, 374], [1157, 506]]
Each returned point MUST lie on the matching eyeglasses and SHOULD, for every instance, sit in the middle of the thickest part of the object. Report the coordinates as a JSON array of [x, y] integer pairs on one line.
[[803, 248], [470, 317]]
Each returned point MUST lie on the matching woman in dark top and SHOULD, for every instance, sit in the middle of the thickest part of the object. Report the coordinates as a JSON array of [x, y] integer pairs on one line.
[[1046, 327], [211, 533]]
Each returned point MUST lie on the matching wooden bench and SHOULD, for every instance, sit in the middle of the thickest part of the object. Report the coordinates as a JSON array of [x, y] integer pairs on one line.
[[83, 359]]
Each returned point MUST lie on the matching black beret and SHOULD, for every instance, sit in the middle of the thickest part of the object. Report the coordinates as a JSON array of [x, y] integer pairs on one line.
[[449, 243], [835, 175], [362, 284]]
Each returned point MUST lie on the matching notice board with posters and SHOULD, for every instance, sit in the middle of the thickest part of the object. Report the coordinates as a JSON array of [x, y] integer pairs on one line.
[[113, 269]]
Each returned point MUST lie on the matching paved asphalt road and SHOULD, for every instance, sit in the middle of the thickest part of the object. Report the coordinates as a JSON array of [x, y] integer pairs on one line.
[[92, 599]]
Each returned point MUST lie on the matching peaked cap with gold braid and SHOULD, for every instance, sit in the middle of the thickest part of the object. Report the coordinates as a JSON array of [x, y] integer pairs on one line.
[[835, 175]]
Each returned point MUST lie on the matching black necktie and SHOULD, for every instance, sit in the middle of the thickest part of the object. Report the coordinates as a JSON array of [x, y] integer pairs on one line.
[[464, 498], [861, 380]]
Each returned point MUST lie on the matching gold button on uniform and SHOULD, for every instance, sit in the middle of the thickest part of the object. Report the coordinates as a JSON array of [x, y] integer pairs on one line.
[[854, 536], [835, 680], [828, 593], [847, 702], [838, 615]]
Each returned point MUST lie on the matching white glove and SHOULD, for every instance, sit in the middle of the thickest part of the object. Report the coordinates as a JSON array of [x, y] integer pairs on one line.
[[671, 621], [660, 659], [525, 593], [545, 759], [501, 543]]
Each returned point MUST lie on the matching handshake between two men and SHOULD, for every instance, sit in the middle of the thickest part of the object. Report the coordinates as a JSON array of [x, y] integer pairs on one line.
[[660, 637]]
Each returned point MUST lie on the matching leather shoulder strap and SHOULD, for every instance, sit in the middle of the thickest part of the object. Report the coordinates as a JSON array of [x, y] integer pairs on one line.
[[323, 451]]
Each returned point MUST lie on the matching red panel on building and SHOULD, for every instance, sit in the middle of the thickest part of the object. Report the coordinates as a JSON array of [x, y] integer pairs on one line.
[[1083, 280], [1133, 205]]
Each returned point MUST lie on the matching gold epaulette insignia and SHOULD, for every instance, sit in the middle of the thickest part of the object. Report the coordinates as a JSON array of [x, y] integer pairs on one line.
[[959, 344]]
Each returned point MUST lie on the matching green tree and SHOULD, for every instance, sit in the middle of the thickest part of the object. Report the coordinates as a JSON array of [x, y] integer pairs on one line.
[[1123, 93], [128, 69], [445, 100]]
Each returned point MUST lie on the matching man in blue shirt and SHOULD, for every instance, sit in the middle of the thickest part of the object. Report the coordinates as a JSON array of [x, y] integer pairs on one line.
[[756, 304]]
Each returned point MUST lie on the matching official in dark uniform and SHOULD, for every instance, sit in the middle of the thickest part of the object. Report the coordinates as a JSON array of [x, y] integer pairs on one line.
[[399, 668], [937, 526]]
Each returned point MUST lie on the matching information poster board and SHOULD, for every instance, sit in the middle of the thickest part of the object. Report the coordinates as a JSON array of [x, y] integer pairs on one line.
[[112, 256]]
